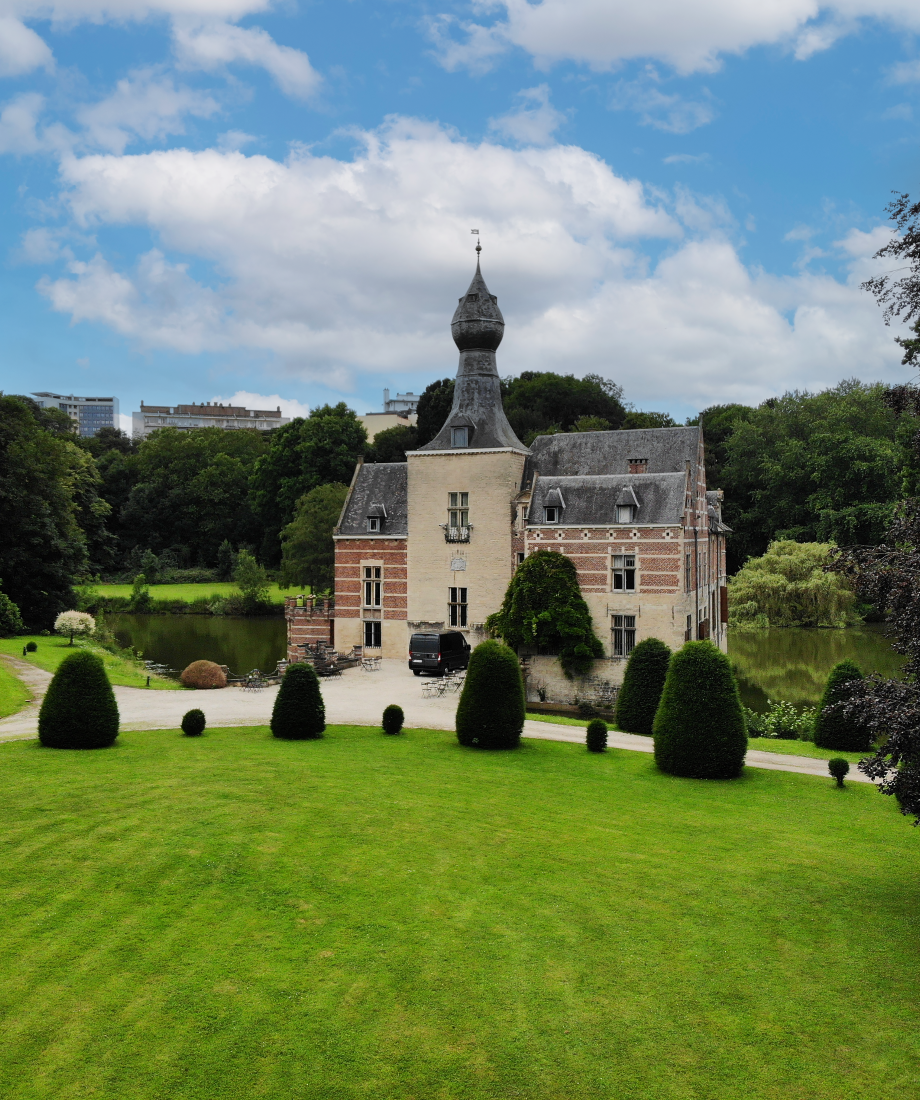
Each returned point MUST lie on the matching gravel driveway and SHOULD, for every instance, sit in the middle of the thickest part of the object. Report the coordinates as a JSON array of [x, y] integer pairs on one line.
[[356, 698]]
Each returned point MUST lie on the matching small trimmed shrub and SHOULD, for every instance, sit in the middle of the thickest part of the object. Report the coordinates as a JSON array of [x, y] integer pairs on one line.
[[204, 674], [31, 647], [393, 719], [299, 713], [833, 729], [79, 709], [643, 683], [490, 714], [596, 738], [699, 728], [10, 619], [193, 723], [838, 767]]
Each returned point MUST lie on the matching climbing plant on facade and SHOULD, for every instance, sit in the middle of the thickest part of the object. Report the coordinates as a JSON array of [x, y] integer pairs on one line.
[[544, 609]]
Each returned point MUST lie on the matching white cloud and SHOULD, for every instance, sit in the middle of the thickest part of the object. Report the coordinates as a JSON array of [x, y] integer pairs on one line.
[[21, 49], [215, 44], [233, 140], [145, 105], [248, 400], [904, 72], [18, 120], [42, 246], [689, 37], [535, 120], [671, 113], [337, 267], [686, 158]]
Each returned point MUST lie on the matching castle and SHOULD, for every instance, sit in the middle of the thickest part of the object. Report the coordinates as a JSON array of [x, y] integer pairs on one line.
[[430, 544]]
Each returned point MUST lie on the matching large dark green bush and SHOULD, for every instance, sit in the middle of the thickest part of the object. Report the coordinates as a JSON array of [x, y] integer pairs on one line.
[[490, 714], [544, 608], [79, 709], [699, 729], [299, 713], [393, 719], [10, 619], [833, 729], [193, 723], [643, 683], [596, 736]]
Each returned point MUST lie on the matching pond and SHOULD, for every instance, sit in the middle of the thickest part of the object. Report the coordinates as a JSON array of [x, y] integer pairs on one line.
[[177, 640], [792, 664]]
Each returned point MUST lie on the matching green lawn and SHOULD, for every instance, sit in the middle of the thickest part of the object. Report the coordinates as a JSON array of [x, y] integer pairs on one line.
[[53, 649], [191, 592], [764, 744], [385, 918], [13, 692]]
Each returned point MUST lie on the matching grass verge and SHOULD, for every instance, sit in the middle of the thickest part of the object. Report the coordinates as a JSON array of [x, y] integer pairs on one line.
[[14, 694], [52, 650], [398, 917], [188, 593]]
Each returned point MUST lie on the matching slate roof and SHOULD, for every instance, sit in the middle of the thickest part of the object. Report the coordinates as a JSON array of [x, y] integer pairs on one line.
[[583, 454], [592, 500], [378, 483]]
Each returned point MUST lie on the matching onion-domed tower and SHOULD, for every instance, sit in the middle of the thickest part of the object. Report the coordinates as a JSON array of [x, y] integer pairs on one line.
[[477, 419]]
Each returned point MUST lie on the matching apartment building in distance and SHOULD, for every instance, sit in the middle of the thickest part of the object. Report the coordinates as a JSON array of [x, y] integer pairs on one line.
[[400, 411], [208, 414], [89, 414]]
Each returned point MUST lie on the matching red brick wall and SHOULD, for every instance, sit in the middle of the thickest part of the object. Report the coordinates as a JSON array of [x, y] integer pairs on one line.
[[658, 557], [308, 624], [349, 554]]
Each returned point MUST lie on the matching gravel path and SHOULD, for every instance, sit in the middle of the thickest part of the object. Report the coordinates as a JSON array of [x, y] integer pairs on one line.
[[354, 698]]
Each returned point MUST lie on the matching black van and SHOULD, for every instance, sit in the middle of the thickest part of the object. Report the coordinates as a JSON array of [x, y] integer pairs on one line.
[[438, 653]]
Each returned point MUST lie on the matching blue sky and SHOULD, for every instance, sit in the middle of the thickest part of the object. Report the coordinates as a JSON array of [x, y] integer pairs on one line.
[[211, 198]]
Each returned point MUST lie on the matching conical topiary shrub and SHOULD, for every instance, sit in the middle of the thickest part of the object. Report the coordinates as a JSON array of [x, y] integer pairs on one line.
[[299, 713], [490, 714], [835, 730], [699, 728], [643, 683], [79, 709], [393, 718], [596, 735]]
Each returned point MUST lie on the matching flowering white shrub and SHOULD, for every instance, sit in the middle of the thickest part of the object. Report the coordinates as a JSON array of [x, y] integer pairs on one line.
[[73, 623]]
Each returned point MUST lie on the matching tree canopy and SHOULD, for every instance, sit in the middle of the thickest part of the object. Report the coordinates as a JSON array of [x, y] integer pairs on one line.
[[308, 551], [790, 585]]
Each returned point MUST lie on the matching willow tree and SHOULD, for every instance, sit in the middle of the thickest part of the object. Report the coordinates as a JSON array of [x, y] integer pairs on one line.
[[544, 609], [790, 586]]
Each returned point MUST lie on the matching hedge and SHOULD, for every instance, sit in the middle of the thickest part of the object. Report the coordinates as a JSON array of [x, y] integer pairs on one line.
[[79, 709], [490, 714], [699, 728]]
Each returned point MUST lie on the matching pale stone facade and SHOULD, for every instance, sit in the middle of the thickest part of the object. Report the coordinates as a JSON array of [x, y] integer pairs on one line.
[[432, 543]]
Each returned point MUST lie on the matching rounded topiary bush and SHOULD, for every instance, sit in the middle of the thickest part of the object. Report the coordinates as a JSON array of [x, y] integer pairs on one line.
[[596, 738], [193, 723], [834, 730], [299, 713], [31, 647], [490, 714], [699, 728], [204, 674], [838, 767], [643, 682], [79, 709], [393, 719]]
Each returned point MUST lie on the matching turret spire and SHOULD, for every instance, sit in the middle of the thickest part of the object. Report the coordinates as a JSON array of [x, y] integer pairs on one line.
[[477, 418]]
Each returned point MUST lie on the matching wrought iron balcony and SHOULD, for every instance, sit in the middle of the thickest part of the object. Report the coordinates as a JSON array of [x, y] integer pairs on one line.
[[456, 534]]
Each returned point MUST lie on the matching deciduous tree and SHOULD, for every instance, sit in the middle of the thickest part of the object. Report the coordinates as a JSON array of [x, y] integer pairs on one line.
[[308, 551]]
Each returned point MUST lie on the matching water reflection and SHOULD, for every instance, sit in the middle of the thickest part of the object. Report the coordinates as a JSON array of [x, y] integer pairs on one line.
[[793, 664], [177, 640]]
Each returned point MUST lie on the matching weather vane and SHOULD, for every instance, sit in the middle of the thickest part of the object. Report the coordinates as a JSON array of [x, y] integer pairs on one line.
[[475, 233]]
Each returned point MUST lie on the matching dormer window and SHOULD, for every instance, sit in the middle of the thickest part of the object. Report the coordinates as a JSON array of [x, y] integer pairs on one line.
[[551, 515], [638, 465], [373, 525], [460, 437], [376, 516], [625, 513]]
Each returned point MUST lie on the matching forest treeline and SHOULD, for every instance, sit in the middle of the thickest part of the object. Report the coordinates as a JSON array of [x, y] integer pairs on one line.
[[824, 467]]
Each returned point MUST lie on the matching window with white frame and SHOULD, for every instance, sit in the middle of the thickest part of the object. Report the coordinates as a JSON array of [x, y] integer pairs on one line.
[[625, 513], [551, 514], [373, 525], [372, 634], [458, 509], [456, 606], [624, 572], [624, 635], [373, 586]]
